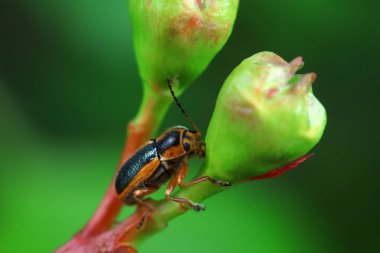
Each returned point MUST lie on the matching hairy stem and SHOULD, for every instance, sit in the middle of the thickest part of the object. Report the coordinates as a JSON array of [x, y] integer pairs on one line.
[[149, 117]]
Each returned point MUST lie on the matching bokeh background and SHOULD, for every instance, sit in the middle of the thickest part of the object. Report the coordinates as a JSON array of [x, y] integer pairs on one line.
[[69, 84]]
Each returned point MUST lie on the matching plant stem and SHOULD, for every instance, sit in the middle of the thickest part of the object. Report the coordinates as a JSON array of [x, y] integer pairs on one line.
[[128, 234], [149, 117], [168, 210]]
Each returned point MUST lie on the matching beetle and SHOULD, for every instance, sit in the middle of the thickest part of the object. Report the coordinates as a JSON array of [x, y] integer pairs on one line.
[[160, 160]]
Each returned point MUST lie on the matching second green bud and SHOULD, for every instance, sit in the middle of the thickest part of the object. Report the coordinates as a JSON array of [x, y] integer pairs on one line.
[[265, 116]]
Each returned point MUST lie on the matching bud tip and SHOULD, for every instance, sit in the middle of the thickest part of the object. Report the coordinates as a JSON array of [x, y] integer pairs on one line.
[[303, 85], [297, 63]]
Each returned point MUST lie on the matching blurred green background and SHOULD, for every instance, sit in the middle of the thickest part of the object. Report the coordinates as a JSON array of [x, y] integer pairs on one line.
[[69, 84]]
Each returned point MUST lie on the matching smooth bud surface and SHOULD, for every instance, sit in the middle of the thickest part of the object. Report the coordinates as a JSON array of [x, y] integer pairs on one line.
[[177, 39], [265, 116]]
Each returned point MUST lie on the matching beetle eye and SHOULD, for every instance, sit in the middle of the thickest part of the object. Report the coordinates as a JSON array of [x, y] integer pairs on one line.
[[186, 146]]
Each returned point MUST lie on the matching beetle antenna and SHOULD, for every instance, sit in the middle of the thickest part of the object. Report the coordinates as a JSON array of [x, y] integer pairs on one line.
[[180, 106]]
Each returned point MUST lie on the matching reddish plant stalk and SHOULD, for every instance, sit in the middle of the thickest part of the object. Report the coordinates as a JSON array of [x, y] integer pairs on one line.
[[149, 117], [123, 237], [110, 205]]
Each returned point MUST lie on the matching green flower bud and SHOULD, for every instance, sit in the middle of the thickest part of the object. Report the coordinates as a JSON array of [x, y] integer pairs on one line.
[[265, 117], [179, 38]]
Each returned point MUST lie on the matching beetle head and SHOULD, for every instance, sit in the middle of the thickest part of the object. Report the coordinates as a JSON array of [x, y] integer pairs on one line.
[[193, 144]]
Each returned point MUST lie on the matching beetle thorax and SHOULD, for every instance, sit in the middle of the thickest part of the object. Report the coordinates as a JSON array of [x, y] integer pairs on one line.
[[179, 142]]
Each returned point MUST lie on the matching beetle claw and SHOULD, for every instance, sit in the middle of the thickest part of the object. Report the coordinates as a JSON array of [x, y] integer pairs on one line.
[[148, 211], [142, 221], [198, 207], [223, 183]]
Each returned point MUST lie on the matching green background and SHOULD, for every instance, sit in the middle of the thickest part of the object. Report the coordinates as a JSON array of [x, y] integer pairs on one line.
[[69, 84]]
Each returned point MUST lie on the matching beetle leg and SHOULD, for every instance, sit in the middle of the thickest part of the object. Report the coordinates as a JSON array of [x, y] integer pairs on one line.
[[137, 195], [205, 178], [177, 179], [183, 172]]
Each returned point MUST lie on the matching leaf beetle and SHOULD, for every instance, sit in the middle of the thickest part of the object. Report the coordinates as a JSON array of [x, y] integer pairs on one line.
[[160, 160]]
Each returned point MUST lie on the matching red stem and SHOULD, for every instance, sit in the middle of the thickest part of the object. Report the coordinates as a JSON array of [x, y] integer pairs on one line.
[[110, 206], [114, 240], [152, 110], [122, 238]]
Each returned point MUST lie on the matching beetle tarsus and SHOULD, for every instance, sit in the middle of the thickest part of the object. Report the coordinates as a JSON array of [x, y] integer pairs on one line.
[[218, 182], [205, 178], [198, 207], [143, 219], [149, 209]]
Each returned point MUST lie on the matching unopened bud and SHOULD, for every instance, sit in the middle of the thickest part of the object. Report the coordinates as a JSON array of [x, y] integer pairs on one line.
[[177, 39], [265, 117]]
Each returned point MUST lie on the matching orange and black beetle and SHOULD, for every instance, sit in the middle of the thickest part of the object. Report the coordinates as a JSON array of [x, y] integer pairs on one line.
[[159, 160]]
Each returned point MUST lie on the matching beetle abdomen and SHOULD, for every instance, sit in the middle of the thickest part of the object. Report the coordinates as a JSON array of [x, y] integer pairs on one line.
[[134, 164]]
